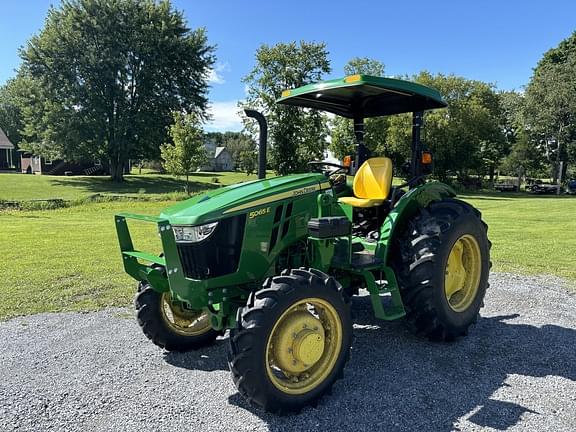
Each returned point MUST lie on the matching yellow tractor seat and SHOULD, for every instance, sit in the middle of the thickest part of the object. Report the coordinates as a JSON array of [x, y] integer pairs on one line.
[[372, 183]]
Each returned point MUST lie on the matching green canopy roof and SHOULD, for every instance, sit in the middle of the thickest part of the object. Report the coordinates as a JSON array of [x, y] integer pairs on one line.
[[364, 96]]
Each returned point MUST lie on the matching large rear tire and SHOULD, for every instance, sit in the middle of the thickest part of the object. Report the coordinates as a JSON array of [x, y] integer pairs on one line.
[[169, 324], [292, 341], [443, 262]]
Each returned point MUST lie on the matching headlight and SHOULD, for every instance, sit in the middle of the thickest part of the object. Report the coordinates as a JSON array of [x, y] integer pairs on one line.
[[193, 234]]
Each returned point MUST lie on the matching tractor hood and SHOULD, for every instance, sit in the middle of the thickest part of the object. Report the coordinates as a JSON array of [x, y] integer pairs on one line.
[[242, 197]]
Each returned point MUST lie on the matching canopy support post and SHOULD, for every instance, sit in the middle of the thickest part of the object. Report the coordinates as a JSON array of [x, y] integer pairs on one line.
[[417, 122]]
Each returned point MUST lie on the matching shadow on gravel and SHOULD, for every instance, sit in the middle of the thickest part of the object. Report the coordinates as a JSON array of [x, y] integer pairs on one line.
[[395, 381], [207, 359]]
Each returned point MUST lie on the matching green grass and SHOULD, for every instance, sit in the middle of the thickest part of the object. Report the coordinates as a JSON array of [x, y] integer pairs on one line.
[[68, 259], [16, 187], [533, 235]]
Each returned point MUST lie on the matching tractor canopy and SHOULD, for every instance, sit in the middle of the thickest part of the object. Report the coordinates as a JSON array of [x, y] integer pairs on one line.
[[361, 96]]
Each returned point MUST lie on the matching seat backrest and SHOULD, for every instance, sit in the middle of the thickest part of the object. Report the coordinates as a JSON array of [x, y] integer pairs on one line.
[[373, 179]]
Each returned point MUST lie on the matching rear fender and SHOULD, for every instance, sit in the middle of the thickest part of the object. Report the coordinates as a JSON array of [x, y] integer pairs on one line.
[[405, 209]]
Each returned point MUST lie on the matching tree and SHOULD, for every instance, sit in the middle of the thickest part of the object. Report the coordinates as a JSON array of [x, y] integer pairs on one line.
[[11, 108], [525, 158], [466, 137], [187, 152], [343, 141], [110, 73], [297, 135], [247, 161], [364, 66], [551, 104]]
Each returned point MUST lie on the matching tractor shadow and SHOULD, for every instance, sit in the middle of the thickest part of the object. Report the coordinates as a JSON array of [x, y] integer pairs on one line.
[[395, 381], [208, 359]]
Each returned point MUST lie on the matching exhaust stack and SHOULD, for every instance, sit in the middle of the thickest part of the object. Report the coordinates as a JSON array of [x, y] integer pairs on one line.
[[262, 140]]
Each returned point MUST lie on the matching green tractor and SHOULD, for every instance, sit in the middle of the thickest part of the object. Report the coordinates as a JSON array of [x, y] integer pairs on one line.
[[276, 261]]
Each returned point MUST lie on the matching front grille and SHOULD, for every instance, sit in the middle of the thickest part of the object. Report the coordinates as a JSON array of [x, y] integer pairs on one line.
[[218, 255]]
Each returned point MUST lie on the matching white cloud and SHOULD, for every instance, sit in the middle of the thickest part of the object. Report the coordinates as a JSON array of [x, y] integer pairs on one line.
[[214, 77], [224, 116], [215, 74]]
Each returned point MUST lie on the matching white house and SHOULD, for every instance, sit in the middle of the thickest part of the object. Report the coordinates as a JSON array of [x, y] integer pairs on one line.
[[217, 158]]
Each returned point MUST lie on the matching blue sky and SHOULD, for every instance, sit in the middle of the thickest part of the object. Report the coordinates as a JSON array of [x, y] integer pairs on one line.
[[495, 41]]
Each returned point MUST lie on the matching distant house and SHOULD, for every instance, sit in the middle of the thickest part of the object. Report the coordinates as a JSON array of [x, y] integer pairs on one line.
[[223, 160], [7, 152], [217, 158]]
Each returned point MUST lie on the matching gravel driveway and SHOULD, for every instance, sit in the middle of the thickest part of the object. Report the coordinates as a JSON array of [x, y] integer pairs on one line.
[[96, 371]]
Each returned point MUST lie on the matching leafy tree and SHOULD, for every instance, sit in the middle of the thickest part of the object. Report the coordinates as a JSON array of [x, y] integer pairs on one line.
[[238, 143], [551, 103], [364, 66], [466, 137], [343, 141], [187, 152], [247, 161], [525, 158], [297, 135], [11, 108], [109, 75], [216, 137]]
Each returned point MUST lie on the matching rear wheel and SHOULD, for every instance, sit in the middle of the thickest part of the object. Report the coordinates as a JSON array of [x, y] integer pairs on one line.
[[292, 341], [170, 324], [443, 267]]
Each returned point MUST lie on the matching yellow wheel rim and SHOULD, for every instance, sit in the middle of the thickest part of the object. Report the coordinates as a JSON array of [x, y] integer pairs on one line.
[[462, 276], [303, 346], [183, 321]]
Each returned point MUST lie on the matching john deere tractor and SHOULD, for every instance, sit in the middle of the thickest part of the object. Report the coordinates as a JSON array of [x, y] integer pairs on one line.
[[276, 261]]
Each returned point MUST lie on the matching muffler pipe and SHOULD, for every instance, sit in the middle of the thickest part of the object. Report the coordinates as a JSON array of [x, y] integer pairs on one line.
[[262, 140]]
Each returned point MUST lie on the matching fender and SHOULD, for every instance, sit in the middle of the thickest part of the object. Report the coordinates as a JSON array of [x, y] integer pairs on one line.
[[414, 200]]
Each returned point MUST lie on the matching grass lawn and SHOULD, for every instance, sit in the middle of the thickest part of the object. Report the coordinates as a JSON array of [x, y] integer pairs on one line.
[[16, 187], [534, 235], [68, 259]]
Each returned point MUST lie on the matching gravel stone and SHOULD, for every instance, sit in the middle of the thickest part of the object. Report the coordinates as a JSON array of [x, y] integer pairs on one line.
[[97, 372]]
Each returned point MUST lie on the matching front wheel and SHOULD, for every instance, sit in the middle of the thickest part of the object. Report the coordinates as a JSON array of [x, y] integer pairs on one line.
[[170, 324], [443, 261], [292, 341]]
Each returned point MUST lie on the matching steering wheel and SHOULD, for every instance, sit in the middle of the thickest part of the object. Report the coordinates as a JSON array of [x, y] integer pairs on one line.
[[338, 169]]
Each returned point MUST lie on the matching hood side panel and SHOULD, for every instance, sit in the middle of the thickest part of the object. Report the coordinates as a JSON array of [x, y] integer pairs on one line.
[[240, 198]]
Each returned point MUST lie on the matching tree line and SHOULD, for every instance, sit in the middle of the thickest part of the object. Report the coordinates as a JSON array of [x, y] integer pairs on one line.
[[128, 79], [481, 133]]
